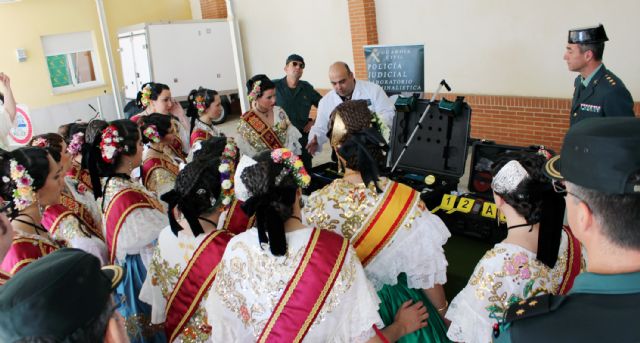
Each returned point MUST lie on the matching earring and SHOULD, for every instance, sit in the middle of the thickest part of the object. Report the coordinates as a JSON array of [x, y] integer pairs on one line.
[[341, 166], [130, 166]]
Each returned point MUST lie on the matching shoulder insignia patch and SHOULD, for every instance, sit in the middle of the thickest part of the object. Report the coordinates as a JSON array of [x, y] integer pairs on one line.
[[530, 307]]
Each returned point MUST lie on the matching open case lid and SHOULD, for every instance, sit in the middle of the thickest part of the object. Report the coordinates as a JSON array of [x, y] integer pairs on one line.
[[440, 145]]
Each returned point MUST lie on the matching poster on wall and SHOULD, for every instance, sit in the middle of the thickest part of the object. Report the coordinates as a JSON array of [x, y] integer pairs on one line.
[[396, 68], [22, 130]]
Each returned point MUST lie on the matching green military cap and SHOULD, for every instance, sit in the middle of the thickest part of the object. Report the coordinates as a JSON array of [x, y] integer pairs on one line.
[[56, 295], [588, 35], [601, 154]]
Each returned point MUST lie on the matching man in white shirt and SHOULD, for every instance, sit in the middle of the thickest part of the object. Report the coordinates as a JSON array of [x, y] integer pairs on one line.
[[346, 87], [7, 109]]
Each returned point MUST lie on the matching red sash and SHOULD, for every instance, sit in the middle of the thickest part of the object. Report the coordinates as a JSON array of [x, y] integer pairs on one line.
[[136, 118], [122, 204], [25, 250], [306, 292], [382, 225], [4, 277], [82, 213], [52, 217], [267, 135], [574, 262], [236, 220], [198, 135], [152, 164], [194, 283]]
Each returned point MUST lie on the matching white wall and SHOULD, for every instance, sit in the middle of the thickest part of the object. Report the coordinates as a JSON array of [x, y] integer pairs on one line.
[[507, 47], [272, 30]]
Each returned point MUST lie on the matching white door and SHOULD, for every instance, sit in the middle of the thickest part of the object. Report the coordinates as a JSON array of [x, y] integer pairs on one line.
[[128, 67], [141, 60]]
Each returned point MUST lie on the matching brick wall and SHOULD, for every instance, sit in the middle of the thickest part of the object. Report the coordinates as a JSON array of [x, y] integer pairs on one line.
[[516, 120], [213, 9], [364, 31]]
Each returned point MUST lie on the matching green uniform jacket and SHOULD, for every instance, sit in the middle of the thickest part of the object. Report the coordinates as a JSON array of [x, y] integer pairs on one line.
[[599, 308], [605, 96]]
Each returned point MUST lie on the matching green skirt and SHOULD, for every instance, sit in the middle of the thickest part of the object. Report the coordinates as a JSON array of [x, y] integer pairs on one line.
[[393, 297]]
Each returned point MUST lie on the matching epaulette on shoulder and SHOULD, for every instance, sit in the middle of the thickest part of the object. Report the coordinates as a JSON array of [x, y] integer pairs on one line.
[[610, 79], [528, 308]]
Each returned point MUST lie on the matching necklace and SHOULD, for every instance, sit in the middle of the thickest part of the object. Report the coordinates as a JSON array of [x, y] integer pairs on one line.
[[156, 150], [204, 123], [520, 225], [38, 227], [209, 221], [296, 217]]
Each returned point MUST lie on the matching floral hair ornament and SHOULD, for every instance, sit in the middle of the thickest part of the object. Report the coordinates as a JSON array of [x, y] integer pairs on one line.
[[509, 177], [110, 144], [145, 98], [544, 152], [255, 91], [377, 122], [200, 104], [226, 169], [293, 164], [151, 132], [40, 142], [23, 195], [75, 146]]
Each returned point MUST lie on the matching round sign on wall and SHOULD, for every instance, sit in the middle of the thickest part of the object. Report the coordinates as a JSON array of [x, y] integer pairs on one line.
[[22, 131]]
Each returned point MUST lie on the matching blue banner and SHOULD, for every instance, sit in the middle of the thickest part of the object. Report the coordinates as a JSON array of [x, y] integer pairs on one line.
[[396, 68]]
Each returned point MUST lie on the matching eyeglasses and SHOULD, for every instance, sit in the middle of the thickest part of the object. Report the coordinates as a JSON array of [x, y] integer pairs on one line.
[[297, 64], [560, 188]]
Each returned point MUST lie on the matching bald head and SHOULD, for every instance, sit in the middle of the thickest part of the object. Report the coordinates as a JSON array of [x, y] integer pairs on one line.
[[342, 79]]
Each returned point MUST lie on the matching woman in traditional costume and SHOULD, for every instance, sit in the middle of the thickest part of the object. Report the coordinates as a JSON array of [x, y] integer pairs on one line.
[[70, 220], [537, 256], [6, 237], [156, 98], [287, 282], [160, 165], [266, 126], [132, 219], [233, 218], [185, 261], [31, 180], [205, 106], [398, 240]]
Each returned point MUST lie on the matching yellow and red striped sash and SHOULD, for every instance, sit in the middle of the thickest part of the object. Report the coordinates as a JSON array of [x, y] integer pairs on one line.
[[397, 202], [574, 262], [154, 163], [308, 288], [194, 282], [122, 204], [267, 135]]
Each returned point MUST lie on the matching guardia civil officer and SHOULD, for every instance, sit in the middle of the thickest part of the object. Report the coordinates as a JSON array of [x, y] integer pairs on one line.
[[598, 92], [599, 171]]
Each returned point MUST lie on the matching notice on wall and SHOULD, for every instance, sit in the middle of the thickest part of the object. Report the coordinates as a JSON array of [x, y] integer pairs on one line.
[[22, 131], [396, 68]]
